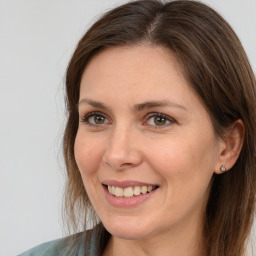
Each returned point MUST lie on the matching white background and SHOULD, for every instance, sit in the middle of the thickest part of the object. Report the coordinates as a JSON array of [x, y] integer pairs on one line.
[[37, 38]]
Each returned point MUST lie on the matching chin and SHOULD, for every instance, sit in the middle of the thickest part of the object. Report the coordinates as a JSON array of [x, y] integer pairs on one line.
[[127, 229]]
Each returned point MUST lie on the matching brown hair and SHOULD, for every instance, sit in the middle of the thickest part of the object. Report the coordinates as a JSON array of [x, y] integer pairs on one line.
[[216, 66]]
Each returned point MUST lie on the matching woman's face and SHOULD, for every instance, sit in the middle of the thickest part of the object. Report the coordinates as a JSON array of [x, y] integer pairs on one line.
[[143, 128]]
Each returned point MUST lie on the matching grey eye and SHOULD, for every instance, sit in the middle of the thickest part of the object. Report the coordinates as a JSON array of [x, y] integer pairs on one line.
[[158, 120], [96, 119]]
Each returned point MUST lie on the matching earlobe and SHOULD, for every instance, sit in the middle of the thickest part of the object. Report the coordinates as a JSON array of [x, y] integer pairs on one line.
[[230, 147]]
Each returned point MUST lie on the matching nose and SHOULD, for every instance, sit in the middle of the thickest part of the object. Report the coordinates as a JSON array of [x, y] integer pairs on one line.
[[122, 151]]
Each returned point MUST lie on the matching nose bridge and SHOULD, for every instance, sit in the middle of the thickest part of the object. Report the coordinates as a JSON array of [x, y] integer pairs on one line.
[[122, 150]]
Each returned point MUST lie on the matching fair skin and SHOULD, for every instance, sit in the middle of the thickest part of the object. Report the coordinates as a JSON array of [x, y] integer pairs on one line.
[[127, 140]]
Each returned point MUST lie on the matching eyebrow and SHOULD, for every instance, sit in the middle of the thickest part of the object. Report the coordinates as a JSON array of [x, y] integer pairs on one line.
[[137, 107], [93, 103]]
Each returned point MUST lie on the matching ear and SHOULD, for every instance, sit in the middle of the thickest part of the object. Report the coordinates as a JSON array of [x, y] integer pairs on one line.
[[230, 147]]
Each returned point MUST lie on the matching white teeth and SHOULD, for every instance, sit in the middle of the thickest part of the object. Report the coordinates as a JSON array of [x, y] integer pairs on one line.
[[136, 190], [144, 189], [119, 192], [130, 191]]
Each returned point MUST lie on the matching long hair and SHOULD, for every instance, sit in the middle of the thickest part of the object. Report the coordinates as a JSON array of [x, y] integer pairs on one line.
[[217, 68]]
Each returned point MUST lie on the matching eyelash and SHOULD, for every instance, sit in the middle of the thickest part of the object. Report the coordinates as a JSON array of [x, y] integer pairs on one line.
[[86, 118]]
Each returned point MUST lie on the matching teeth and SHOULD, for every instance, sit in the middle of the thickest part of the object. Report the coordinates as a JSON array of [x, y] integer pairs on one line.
[[130, 191], [144, 189], [119, 192], [136, 190]]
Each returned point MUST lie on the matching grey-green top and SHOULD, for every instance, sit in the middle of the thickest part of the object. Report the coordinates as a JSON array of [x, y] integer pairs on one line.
[[60, 247]]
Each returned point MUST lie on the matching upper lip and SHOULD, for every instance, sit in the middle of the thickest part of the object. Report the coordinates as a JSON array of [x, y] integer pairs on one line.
[[126, 183]]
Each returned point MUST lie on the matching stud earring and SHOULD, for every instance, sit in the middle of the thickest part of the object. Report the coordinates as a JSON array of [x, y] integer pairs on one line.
[[223, 168]]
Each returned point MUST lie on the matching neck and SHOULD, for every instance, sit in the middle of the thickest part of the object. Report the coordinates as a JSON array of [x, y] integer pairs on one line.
[[180, 241]]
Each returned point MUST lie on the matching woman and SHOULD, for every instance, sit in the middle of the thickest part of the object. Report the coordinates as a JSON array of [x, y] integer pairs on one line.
[[160, 144]]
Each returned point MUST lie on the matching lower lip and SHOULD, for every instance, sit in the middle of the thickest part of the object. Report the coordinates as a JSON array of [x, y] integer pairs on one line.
[[126, 202]]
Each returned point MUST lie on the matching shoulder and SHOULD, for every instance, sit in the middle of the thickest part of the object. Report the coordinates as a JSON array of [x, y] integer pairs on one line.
[[59, 247]]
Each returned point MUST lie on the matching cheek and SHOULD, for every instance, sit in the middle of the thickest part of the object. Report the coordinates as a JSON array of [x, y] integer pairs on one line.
[[183, 162], [170, 156], [186, 169], [88, 153]]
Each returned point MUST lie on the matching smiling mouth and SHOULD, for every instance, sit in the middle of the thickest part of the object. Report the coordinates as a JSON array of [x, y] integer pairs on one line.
[[129, 191]]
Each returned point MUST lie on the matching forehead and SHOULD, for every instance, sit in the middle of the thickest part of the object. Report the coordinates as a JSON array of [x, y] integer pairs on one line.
[[132, 66]]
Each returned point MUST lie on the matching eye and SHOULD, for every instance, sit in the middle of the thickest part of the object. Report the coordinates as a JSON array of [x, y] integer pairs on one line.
[[159, 120], [94, 118]]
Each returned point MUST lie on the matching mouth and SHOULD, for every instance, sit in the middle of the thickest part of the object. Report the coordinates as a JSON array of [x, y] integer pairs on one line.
[[128, 192]]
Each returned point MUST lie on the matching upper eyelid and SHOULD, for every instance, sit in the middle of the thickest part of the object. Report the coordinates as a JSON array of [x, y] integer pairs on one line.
[[86, 116], [151, 114], [157, 114]]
